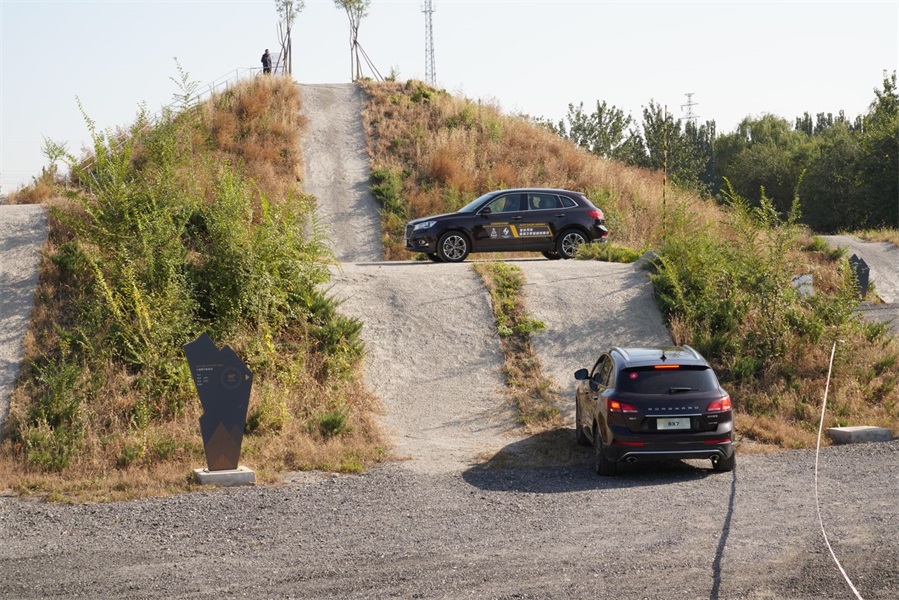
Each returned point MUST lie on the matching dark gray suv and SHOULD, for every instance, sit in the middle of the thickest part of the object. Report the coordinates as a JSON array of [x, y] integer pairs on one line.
[[653, 403], [551, 221]]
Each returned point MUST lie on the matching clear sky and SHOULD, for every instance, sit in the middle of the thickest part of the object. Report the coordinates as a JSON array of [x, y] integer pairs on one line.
[[528, 56]]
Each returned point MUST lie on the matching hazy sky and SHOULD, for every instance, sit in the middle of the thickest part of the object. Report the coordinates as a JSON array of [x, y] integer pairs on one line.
[[533, 57]]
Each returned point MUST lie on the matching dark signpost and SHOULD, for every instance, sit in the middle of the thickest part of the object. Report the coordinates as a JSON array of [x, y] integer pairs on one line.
[[861, 272], [223, 383]]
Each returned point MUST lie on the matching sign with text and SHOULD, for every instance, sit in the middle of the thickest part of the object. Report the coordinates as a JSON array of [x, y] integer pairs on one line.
[[223, 383]]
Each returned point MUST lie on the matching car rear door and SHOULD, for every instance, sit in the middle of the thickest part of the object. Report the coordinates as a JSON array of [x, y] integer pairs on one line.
[[541, 222]]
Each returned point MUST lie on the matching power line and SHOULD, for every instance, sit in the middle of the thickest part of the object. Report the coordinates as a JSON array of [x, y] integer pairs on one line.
[[690, 116], [427, 7]]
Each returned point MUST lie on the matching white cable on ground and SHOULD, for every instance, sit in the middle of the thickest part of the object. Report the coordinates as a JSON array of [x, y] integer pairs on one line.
[[817, 452]]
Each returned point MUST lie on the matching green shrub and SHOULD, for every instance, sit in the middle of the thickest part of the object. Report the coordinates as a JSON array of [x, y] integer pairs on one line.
[[388, 191], [333, 423]]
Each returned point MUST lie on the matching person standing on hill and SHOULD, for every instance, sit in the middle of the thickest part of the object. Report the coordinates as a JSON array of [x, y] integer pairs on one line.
[[266, 62]]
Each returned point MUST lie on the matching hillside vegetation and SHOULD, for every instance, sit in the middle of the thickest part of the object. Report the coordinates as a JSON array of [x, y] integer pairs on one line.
[[722, 274], [192, 223]]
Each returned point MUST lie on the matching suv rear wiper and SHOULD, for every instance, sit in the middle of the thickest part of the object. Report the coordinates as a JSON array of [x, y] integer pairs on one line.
[[675, 390]]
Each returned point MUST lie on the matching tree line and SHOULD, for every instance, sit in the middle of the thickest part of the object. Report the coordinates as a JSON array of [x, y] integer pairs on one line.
[[845, 172]]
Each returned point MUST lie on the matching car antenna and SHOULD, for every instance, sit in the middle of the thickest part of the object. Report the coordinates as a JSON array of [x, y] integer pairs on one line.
[[664, 358]]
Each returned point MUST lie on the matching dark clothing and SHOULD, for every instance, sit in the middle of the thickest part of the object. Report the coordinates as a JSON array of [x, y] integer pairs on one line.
[[266, 63]]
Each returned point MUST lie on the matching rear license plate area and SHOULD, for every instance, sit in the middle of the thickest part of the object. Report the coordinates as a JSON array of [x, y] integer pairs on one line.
[[673, 423]]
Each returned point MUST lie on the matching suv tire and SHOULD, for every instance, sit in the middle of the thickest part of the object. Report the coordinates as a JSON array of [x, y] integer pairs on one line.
[[453, 247], [604, 466], [568, 243]]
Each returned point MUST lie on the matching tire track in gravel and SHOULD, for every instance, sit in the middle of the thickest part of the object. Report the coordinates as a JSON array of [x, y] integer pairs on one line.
[[432, 357], [588, 306]]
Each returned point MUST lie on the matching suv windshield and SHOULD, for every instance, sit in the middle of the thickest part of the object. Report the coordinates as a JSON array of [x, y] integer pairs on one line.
[[473, 205], [647, 380]]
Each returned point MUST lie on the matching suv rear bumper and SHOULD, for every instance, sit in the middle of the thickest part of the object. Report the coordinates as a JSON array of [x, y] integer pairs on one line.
[[671, 450]]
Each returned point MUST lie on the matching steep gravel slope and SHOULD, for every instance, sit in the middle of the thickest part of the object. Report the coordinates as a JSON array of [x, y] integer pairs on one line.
[[336, 169], [587, 307], [23, 230], [432, 357]]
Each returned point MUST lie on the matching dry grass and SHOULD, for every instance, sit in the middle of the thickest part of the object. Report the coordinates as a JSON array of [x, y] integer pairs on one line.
[[881, 235]]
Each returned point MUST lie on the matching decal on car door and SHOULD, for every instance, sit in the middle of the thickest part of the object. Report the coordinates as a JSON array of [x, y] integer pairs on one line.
[[506, 231]]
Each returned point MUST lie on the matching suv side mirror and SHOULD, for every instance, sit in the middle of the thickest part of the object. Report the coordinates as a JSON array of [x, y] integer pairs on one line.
[[581, 374], [486, 211]]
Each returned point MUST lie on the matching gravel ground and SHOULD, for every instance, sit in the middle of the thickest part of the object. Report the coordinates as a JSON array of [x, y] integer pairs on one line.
[[675, 531], [23, 230], [882, 259], [445, 524]]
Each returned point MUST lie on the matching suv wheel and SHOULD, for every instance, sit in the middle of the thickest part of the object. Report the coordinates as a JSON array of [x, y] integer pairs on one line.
[[604, 466], [723, 465], [452, 247], [568, 243]]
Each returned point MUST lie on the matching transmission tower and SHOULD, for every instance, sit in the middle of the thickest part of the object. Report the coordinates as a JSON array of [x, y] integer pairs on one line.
[[427, 7], [690, 116]]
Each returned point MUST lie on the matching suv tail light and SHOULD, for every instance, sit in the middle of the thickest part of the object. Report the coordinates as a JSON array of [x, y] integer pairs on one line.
[[617, 406], [596, 214], [722, 405]]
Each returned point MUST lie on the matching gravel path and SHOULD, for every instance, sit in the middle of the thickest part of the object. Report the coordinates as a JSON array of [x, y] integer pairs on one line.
[[336, 169], [432, 357], [588, 306], [23, 230], [882, 259], [674, 532]]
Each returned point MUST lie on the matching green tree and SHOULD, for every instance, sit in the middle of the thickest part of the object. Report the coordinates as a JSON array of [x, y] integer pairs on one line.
[[765, 153], [880, 167], [831, 191], [601, 132], [667, 141]]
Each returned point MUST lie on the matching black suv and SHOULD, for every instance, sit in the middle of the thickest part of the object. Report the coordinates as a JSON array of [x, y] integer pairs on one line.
[[653, 403], [554, 222]]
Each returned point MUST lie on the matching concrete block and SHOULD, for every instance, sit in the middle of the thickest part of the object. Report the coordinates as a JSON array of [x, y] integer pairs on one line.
[[859, 434], [225, 478]]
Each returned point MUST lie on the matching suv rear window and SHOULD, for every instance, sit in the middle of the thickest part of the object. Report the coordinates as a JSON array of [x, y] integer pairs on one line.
[[647, 380]]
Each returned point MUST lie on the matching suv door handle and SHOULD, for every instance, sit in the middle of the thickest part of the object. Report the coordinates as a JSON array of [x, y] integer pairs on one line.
[[515, 218], [560, 215]]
